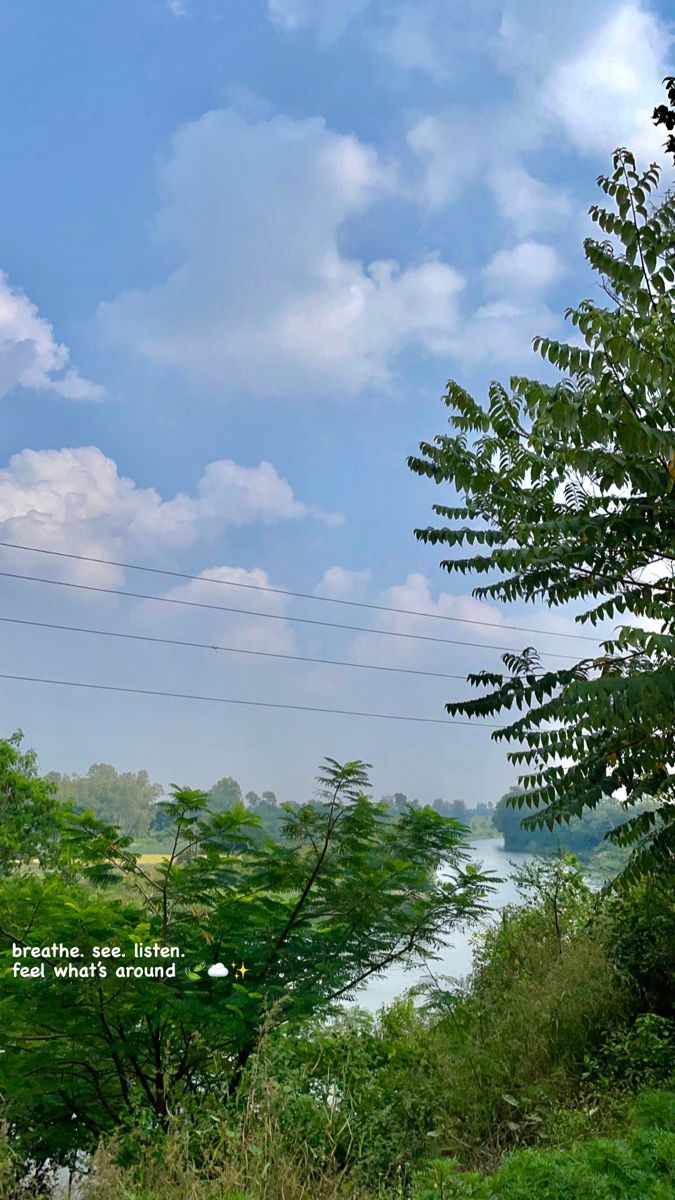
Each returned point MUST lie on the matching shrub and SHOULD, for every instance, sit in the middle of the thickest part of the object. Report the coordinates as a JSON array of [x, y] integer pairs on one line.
[[641, 1166]]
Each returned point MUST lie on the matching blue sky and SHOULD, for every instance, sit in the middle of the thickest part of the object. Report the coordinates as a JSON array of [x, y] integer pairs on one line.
[[244, 244]]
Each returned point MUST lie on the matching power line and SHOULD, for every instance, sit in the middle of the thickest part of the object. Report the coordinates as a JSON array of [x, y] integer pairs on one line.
[[337, 712], [417, 637], [257, 587], [140, 637]]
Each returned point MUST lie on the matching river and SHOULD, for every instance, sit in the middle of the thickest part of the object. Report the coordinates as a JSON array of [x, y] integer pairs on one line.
[[456, 958]]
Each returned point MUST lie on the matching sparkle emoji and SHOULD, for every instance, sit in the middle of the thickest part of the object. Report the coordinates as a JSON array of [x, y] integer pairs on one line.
[[241, 971]]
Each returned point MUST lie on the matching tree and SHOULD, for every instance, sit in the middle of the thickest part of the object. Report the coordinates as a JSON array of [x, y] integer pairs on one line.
[[252, 799], [270, 797], [298, 925], [567, 491], [452, 808], [29, 810], [225, 794], [124, 798], [664, 114]]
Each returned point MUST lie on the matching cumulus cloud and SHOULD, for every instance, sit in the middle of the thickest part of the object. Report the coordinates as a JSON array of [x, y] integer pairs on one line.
[[587, 72], [500, 332], [176, 7], [262, 299], [592, 71], [415, 594], [75, 500], [603, 93], [458, 146], [340, 584], [450, 151], [528, 204], [515, 281], [528, 267], [274, 636], [30, 357]]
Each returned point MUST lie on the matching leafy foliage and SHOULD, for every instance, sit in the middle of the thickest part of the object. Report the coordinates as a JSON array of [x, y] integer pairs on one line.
[[581, 837], [29, 811], [639, 1164], [471, 1071], [664, 114], [643, 942], [347, 893], [567, 491]]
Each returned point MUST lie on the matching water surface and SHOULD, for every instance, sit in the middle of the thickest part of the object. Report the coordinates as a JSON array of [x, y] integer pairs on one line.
[[455, 959]]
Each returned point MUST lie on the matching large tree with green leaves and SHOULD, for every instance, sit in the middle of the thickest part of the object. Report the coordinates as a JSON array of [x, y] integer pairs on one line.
[[566, 497], [348, 892], [29, 809], [225, 794]]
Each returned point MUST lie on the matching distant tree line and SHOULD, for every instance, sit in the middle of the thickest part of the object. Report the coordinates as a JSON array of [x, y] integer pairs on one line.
[[131, 800], [580, 837]]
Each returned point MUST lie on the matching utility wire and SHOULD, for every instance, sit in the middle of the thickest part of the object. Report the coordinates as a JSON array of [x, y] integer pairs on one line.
[[257, 587], [417, 637], [140, 637], [338, 712]]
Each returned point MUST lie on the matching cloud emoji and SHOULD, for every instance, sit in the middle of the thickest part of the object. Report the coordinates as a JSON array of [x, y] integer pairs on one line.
[[218, 971]]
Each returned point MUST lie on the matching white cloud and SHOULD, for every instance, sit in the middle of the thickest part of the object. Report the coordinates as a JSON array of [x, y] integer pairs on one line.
[[339, 583], [530, 205], [247, 633], [29, 355], [500, 333], [262, 298], [603, 93], [243, 495], [75, 500], [587, 72], [329, 17], [500, 330], [415, 594], [176, 7], [528, 267], [463, 145], [451, 151]]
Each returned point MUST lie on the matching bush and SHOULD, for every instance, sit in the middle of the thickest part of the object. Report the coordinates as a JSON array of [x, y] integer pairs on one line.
[[477, 1070], [642, 1166], [539, 1051], [642, 941]]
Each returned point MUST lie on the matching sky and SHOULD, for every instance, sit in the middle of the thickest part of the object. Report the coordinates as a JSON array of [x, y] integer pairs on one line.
[[243, 246]]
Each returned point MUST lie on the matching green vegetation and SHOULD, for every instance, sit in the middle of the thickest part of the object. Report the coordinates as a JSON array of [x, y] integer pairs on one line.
[[266, 1086], [28, 808], [131, 801], [603, 1169], [550, 1071], [125, 799], [640, 1166], [567, 490], [588, 839], [348, 892]]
